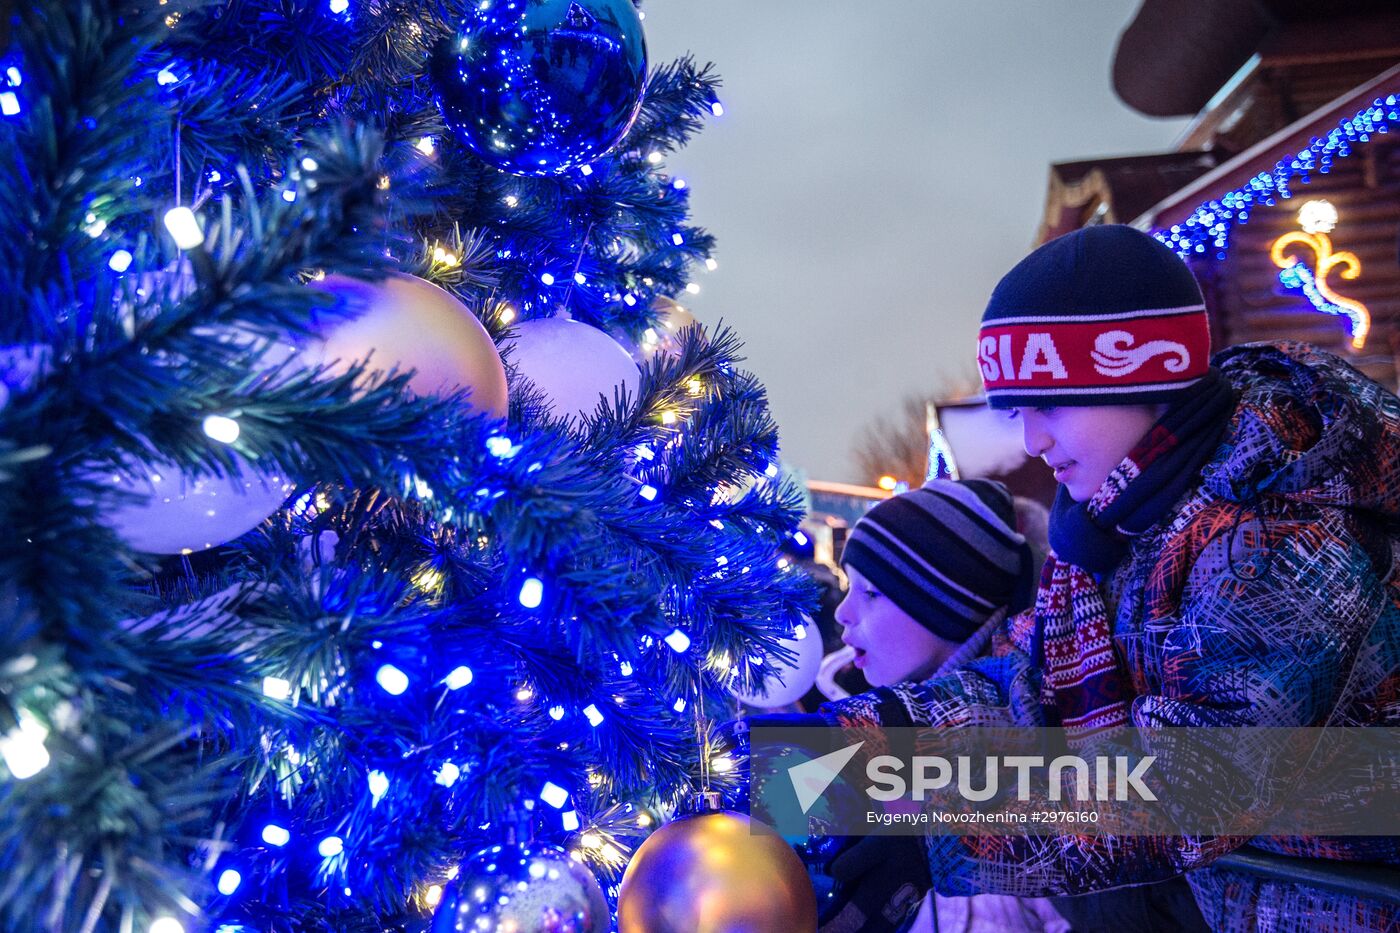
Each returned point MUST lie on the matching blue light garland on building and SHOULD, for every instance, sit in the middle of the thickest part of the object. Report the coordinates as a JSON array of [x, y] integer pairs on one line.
[[1210, 224]]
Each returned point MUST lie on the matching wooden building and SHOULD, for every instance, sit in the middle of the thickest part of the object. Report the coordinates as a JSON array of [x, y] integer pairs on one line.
[[1294, 104]]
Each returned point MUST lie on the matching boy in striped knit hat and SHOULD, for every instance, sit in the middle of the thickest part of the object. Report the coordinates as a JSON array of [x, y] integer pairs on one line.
[[931, 572]]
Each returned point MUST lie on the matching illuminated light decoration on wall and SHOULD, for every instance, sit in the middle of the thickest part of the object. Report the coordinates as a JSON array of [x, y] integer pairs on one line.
[[1317, 219], [1210, 224], [941, 462]]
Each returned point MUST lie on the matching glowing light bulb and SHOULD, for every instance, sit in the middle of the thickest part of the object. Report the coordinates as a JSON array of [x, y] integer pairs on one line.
[[1318, 216], [554, 795], [23, 748], [184, 227], [648, 492], [229, 881], [393, 680], [678, 641], [547, 279], [331, 846], [276, 688], [166, 925], [595, 718], [221, 428], [378, 785], [339, 6], [448, 774], [459, 678], [120, 261], [717, 109], [275, 835], [531, 593], [9, 103]]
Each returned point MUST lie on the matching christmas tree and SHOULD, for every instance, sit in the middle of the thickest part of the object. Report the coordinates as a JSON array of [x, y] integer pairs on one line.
[[292, 625]]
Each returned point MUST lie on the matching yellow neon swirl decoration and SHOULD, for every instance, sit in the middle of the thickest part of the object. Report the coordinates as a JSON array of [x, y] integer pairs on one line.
[[1321, 245]]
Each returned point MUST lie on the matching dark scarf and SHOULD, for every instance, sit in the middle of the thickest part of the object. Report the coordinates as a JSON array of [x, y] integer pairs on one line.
[[1155, 474], [1084, 685]]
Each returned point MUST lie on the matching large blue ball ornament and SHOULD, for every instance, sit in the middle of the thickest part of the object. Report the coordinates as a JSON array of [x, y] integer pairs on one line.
[[537, 87]]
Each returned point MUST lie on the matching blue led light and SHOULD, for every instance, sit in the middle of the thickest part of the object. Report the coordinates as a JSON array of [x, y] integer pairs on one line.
[[448, 774], [393, 680], [554, 795], [1210, 224], [378, 785], [275, 835], [229, 881], [531, 593]]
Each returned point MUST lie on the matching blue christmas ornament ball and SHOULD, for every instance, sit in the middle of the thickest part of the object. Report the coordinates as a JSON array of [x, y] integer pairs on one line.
[[525, 889], [537, 87]]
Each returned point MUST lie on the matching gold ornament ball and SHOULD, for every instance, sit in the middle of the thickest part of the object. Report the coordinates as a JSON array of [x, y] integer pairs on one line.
[[671, 318], [403, 323], [716, 872]]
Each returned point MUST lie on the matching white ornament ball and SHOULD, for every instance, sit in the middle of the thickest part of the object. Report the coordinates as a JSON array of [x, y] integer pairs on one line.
[[175, 513], [786, 682], [573, 364], [403, 322]]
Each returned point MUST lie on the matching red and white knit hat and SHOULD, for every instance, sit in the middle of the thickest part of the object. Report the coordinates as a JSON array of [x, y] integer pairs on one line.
[[1101, 316]]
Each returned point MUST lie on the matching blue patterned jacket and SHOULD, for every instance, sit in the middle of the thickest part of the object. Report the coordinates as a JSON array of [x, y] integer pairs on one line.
[[1268, 597]]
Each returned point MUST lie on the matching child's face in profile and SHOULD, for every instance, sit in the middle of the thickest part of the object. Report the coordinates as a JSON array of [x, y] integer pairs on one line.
[[1083, 444], [891, 646]]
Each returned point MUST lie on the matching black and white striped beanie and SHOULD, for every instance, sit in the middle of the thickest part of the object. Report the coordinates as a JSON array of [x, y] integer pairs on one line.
[[948, 554]]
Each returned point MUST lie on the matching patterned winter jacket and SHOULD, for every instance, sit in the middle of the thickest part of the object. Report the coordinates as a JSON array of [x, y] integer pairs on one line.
[[1267, 597]]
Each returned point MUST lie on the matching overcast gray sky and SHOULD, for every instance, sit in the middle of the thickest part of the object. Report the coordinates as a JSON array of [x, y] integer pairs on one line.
[[879, 166]]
